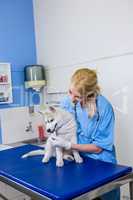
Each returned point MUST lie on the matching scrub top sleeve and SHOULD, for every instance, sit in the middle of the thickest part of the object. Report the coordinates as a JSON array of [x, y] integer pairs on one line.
[[104, 136]]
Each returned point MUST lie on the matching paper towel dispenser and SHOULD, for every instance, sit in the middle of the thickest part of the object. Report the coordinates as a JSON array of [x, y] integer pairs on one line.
[[34, 76]]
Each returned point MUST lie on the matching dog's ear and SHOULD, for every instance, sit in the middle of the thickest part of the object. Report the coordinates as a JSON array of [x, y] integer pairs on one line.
[[52, 109]]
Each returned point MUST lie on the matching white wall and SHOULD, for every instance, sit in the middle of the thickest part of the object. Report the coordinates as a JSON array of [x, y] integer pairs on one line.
[[74, 31], [96, 34]]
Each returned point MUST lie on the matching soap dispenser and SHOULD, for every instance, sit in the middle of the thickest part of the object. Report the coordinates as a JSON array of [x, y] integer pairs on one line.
[[34, 77]]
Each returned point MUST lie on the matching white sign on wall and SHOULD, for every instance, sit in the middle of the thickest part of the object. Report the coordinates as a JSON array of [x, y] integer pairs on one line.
[[5, 83]]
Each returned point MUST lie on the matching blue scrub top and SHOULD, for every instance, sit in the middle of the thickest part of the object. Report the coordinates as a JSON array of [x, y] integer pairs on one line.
[[98, 130]]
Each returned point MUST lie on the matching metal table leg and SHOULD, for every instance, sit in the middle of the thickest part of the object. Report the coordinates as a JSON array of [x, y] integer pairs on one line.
[[131, 189], [3, 197]]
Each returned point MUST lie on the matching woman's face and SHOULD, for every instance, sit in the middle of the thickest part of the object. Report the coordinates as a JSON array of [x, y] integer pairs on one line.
[[75, 95]]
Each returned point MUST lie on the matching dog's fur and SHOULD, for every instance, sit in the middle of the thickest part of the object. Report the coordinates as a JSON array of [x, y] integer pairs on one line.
[[60, 123]]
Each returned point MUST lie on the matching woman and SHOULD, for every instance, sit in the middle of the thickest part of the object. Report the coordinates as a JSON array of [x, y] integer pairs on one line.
[[95, 121]]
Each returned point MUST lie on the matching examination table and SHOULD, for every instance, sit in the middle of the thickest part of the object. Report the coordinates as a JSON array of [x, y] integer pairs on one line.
[[72, 181]]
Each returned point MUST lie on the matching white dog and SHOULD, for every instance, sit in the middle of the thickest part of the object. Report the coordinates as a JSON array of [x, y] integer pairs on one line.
[[59, 123]]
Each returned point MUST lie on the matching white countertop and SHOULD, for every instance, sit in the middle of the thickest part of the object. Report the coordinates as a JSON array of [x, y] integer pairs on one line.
[[3, 147]]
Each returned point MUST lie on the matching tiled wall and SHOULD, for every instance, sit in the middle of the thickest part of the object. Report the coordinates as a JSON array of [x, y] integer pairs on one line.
[[17, 46], [17, 43]]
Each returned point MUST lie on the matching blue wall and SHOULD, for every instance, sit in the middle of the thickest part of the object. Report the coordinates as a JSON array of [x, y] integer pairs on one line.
[[17, 45], [0, 133]]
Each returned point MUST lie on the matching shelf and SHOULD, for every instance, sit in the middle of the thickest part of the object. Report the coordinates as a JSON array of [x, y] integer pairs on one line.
[[2, 83], [5, 84]]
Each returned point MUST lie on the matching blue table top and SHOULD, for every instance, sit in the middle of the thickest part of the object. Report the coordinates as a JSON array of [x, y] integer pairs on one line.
[[63, 183]]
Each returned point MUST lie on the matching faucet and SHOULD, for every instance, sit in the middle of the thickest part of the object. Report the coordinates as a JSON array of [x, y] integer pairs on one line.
[[29, 127]]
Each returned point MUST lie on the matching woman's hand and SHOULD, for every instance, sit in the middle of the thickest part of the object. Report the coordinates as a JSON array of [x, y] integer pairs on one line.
[[60, 142]]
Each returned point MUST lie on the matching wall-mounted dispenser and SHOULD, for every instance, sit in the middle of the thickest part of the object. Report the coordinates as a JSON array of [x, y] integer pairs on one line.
[[34, 77]]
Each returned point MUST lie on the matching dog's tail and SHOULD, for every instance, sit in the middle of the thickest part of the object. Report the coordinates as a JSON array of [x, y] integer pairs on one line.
[[33, 153]]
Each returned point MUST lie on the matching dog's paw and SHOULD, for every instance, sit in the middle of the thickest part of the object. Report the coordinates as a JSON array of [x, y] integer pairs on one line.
[[25, 155], [45, 159], [68, 157], [59, 163], [79, 160]]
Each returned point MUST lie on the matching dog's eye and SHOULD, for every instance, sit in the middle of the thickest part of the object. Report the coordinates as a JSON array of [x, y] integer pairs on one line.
[[50, 120]]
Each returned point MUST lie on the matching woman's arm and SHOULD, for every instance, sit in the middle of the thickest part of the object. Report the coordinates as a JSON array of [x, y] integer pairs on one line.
[[88, 148], [60, 142]]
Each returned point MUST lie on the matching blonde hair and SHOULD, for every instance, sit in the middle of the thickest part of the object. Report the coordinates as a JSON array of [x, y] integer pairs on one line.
[[85, 81]]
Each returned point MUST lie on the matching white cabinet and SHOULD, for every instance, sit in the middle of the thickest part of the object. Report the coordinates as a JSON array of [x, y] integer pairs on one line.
[[5, 83], [13, 129]]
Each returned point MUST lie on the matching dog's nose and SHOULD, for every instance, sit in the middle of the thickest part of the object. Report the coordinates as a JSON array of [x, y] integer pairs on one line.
[[48, 130]]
